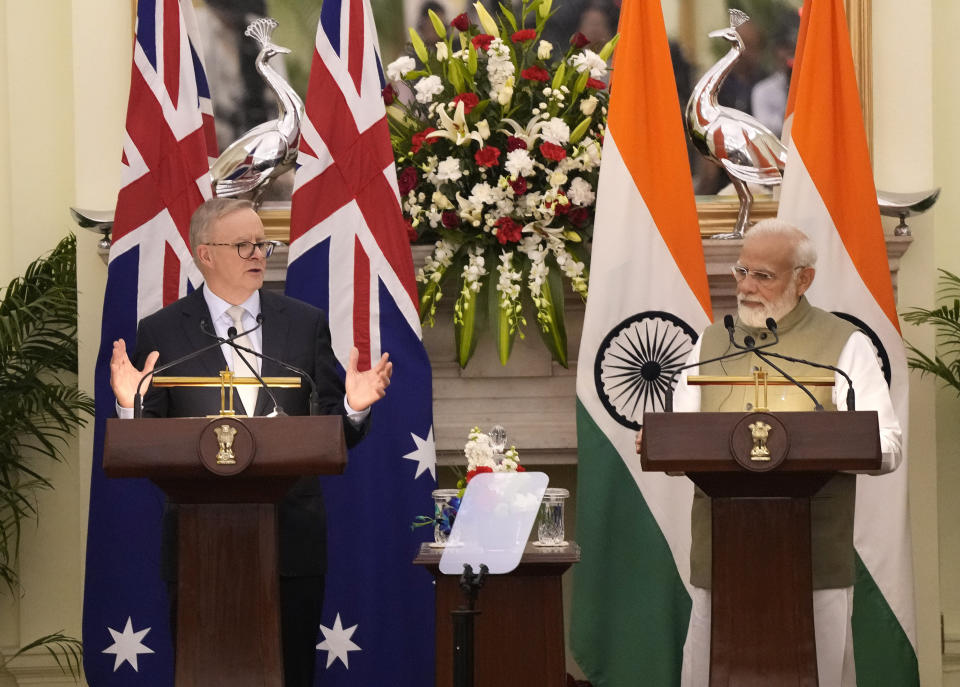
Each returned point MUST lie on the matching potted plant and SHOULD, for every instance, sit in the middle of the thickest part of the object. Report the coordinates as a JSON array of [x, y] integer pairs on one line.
[[946, 320], [40, 408]]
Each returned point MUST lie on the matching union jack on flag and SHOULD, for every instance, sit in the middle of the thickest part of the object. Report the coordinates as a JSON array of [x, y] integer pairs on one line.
[[350, 255], [168, 141]]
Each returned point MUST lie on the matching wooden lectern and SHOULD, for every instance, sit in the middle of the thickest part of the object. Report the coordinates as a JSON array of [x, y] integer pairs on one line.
[[226, 474], [760, 470]]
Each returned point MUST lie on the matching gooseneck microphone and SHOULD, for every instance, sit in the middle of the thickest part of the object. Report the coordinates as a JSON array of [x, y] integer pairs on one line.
[[314, 393], [749, 346], [230, 341], [851, 395], [728, 323], [138, 398]]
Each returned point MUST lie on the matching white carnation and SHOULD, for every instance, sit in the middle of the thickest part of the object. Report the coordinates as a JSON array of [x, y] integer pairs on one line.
[[589, 61], [427, 87], [519, 163], [588, 105], [397, 69], [449, 169], [580, 192], [544, 50], [555, 131]]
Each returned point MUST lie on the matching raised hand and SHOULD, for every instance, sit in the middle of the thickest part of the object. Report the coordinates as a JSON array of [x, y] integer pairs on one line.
[[366, 388], [124, 377]]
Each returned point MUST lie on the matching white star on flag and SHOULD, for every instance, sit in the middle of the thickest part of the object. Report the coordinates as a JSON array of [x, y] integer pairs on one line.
[[336, 642], [127, 645], [425, 454]]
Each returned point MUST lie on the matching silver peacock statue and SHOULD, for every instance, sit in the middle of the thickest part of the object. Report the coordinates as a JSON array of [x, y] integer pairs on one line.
[[253, 161], [747, 150]]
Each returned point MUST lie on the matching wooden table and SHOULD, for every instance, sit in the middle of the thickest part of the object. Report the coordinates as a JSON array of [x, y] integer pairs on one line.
[[519, 632]]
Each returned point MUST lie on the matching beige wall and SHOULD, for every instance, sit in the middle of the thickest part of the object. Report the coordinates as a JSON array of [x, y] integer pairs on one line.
[[64, 70], [64, 73]]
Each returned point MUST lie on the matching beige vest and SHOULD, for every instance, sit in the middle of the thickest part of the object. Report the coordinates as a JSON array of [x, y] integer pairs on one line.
[[808, 333]]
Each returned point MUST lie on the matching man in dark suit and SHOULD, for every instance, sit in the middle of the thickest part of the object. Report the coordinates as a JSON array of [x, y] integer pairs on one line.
[[230, 250]]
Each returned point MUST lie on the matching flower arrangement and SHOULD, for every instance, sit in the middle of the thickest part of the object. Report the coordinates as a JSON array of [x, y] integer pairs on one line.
[[484, 453], [498, 152]]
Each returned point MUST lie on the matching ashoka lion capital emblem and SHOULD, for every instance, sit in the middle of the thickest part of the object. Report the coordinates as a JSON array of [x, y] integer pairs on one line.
[[225, 435], [760, 431]]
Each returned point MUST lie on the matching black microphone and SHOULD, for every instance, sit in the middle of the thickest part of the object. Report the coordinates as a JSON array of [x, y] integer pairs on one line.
[[138, 398], [851, 395], [231, 335], [728, 323], [314, 393], [749, 346]]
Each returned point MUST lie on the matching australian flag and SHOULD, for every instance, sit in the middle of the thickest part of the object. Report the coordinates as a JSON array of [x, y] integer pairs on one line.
[[350, 255], [168, 140]]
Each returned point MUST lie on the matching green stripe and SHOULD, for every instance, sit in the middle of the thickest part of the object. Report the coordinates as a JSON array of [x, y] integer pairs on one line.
[[630, 607], [882, 651]]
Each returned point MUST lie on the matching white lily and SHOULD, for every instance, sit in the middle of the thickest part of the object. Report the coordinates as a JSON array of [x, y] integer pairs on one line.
[[455, 129], [528, 135]]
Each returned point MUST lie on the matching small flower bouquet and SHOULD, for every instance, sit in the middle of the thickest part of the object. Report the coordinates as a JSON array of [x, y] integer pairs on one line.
[[484, 453], [498, 152]]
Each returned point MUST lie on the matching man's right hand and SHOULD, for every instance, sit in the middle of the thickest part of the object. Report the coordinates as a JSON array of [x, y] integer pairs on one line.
[[124, 377]]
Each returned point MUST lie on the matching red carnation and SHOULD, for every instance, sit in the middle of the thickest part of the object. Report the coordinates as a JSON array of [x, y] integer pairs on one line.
[[482, 41], [578, 216], [488, 156], [407, 180], [420, 138], [596, 83], [469, 101], [461, 22], [450, 219], [519, 185], [508, 230], [520, 468], [411, 233], [535, 73], [524, 35], [514, 143], [389, 95], [551, 151], [578, 40]]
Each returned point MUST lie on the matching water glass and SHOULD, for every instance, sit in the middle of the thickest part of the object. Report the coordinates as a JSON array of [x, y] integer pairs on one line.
[[550, 530]]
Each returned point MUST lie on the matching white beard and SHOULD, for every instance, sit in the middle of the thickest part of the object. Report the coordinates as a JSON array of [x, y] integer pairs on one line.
[[777, 308]]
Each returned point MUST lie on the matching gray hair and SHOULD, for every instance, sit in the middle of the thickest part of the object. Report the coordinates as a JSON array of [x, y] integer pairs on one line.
[[205, 216], [804, 252]]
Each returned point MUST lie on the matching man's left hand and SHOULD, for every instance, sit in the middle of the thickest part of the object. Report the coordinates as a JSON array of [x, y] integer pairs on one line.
[[366, 388]]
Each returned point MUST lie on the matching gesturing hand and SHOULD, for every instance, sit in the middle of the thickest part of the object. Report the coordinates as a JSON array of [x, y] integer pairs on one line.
[[366, 388], [124, 377]]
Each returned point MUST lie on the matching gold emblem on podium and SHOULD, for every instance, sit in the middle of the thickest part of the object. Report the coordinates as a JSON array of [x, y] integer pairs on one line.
[[225, 435], [760, 431]]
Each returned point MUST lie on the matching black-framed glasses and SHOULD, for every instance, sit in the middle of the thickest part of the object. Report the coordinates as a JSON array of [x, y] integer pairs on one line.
[[760, 276], [246, 249]]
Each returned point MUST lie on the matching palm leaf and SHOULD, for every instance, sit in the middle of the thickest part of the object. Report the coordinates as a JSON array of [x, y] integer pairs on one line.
[[945, 318]]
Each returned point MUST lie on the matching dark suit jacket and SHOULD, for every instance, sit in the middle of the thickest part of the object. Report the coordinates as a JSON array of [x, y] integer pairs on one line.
[[294, 332]]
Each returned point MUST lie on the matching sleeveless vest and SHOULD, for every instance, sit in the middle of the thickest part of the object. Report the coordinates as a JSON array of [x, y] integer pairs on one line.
[[809, 333]]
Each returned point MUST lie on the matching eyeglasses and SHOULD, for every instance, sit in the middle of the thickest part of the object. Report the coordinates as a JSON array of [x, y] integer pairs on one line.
[[761, 277], [246, 249]]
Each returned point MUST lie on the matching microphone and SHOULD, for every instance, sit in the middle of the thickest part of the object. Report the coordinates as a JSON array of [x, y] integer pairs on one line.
[[728, 324], [851, 395], [138, 398], [314, 393], [749, 346], [230, 341]]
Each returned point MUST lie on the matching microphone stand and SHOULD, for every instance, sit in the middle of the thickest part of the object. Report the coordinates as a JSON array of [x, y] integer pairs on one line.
[[138, 398], [314, 393], [232, 334]]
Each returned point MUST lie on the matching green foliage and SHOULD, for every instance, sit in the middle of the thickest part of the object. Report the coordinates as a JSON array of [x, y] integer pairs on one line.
[[945, 318], [40, 404]]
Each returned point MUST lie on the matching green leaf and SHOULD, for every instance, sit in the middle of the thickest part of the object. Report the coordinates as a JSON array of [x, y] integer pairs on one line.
[[508, 15], [550, 315], [437, 24], [471, 322], [500, 318], [559, 76], [418, 47], [580, 130], [607, 50]]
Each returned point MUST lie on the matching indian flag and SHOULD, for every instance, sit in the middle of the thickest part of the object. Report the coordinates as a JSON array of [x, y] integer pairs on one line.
[[648, 301], [828, 192]]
